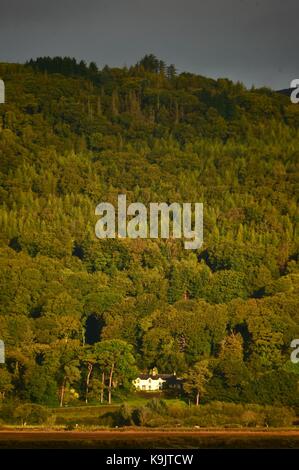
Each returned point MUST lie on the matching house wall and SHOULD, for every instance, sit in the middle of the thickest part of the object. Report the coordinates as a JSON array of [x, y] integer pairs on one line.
[[148, 384]]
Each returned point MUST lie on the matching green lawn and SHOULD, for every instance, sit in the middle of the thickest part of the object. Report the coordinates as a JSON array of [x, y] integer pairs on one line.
[[89, 414]]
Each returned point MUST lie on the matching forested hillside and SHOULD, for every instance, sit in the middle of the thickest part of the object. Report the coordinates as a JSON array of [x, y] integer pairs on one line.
[[72, 136]]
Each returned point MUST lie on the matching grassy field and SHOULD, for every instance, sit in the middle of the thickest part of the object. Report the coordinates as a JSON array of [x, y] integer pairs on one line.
[[81, 427], [89, 415]]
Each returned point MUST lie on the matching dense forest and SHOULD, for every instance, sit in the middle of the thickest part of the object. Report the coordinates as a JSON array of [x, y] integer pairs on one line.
[[80, 316]]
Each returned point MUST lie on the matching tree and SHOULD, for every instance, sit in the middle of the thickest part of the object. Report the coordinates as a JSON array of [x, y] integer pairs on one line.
[[196, 380], [117, 364], [171, 71], [89, 358], [230, 362], [31, 414], [5, 382], [41, 386], [227, 285], [93, 69], [63, 361], [150, 63]]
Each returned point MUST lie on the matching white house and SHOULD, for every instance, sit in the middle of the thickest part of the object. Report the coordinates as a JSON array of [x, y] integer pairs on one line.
[[154, 382]]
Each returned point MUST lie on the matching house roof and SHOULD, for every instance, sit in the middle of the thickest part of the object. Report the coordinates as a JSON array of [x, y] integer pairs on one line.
[[170, 378]]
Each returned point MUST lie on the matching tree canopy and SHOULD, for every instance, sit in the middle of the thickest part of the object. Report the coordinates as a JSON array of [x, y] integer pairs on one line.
[[71, 136]]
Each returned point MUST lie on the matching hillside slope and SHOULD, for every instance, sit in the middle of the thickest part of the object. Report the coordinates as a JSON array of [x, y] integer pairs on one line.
[[72, 139]]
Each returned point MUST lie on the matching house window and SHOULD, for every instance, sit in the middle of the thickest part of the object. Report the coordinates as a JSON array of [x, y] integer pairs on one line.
[[143, 387]]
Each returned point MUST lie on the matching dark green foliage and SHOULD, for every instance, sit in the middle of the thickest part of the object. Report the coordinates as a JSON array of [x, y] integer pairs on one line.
[[22, 414], [214, 414]]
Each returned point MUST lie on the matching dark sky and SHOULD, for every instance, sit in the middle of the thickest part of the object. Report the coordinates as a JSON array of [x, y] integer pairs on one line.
[[254, 41]]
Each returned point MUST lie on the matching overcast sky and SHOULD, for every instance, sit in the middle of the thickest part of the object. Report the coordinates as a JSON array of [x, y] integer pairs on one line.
[[254, 41]]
